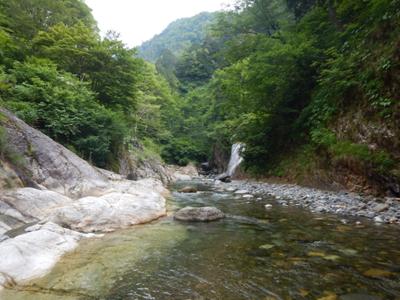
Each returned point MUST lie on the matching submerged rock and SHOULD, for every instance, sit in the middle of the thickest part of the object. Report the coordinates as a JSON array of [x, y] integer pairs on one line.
[[188, 189], [200, 214]]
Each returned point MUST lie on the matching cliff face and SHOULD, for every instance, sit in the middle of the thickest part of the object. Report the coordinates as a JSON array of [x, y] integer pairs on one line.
[[47, 163]]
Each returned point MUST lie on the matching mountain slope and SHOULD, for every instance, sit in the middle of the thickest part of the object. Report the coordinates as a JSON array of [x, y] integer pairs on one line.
[[179, 35]]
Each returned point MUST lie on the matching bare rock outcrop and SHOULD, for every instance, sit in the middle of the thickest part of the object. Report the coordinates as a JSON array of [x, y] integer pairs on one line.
[[51, 165], [68, 196]]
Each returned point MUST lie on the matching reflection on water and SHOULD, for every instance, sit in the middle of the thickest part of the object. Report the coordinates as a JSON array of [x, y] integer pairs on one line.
[[282, 253]]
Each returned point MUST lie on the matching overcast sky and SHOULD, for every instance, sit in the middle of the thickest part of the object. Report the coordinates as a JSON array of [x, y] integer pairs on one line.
[[139, 20]]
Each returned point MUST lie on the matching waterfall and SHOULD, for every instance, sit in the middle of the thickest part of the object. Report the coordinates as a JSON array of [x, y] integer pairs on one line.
[[235, 159]]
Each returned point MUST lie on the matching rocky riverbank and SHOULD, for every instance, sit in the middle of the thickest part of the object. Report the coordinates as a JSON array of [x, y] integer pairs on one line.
[[381, 210], [56, 198]]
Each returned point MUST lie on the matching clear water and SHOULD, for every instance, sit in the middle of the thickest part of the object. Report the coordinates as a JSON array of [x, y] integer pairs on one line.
[[282, 253]]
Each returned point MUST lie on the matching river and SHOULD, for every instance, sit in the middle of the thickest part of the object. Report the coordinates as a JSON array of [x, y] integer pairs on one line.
[[282, 253]]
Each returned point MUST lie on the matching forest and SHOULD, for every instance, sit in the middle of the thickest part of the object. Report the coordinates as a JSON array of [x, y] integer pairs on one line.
[[310, 86]]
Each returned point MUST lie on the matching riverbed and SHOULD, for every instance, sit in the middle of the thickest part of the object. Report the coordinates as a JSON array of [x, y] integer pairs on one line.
[[284, 252]]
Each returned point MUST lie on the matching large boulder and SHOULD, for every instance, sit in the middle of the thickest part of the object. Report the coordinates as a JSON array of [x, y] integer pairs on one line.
[[135, 164], [110, 212], [183, 173], [34, 253], [199, 214], [29, 204]]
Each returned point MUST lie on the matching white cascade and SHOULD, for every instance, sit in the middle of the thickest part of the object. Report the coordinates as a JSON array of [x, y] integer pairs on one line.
[[236, 158]]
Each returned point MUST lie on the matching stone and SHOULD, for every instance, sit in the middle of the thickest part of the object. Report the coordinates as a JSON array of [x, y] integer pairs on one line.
[[267, 246], [378, 273], [181, 177], [268, 206], [34, 253], [378, 219], [188, 189], [111, 211], [29, 205], [200, 214], [183, 173], [381, 207], [241, 192], [248, 196], [224, 178]]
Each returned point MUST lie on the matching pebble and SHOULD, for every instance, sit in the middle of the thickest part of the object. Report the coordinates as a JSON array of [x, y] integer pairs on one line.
[[241, 192], [385, 210]]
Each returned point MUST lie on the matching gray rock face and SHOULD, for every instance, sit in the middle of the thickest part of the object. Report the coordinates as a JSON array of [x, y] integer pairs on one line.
[[51, 164], [183, 173], [199, 214], [136, 168]]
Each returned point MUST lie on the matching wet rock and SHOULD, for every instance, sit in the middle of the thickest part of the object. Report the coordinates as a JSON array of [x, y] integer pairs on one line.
[[201, 214], [224, 178], [188, 189]]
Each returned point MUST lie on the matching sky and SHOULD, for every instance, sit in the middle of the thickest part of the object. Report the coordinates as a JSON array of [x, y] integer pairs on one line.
[[139, 20]]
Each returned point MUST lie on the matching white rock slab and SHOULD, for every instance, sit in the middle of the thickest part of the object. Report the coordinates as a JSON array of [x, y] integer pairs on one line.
[[34, 253], [32, 204], [111, 211]]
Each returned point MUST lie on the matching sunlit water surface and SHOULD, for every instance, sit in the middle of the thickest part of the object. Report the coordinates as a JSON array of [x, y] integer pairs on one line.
[[254, 253]]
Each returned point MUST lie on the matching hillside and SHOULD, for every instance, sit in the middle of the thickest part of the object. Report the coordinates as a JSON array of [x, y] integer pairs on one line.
[[312, 90], [178, 36]]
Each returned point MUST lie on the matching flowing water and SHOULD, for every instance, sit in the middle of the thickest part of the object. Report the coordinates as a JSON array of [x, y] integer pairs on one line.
[[254, 253], [235, 159]]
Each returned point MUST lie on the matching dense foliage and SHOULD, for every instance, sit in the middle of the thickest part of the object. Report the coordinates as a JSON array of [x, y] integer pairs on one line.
[[285, 77], [178, 36], [300, 82], [89, 93]]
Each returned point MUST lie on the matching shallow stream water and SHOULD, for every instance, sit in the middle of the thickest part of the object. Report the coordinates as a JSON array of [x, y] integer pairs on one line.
[[254, 253]]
